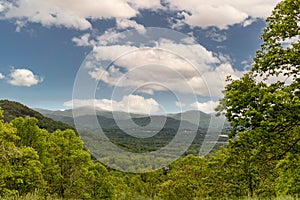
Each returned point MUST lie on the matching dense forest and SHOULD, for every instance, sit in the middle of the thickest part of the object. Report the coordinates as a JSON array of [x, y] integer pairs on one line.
[[261, 159], [13, 109]]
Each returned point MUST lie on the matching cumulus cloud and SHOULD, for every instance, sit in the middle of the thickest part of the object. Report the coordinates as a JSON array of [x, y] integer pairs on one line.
[[126, 23], [2, 76], [188, 68], [248, 22], [130, 104], [181, 66], [215, 36], [82, 41], [68, 13], [207, 107], [76, 14], [110, 36], [23, 77], [142, 4], [221, 13], [1, 7], [19, 25], [111, 52], [180, 104]]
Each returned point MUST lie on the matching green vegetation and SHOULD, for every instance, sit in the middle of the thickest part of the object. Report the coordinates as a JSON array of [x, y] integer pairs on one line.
[[261, 160], [14, 109]]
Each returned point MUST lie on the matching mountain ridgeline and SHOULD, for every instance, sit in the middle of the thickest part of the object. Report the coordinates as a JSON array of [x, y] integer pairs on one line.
[[158, 130], [118, 126], [107, 119], [12, 110]]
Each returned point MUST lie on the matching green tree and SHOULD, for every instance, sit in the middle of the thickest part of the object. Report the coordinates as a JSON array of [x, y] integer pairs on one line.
[[69, 164], [98, 184], [147, 184], [27, 172], [288, 182], [280, 50], [8, 151], [186, 179], [20, 168], [52, 163], [264, 113]]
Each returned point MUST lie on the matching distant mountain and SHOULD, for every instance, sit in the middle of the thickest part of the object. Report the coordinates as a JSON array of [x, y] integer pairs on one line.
[[62, 116], [12, 110], [153, 122], [138, 132], [83, 111], [153, 132], [195, 117], [107, 119]]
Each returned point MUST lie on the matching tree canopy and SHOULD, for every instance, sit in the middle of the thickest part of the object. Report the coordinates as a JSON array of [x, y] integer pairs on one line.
[[263, 106]]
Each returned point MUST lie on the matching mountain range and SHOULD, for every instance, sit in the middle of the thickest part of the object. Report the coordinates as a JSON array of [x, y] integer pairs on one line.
[[156, 131], [107, 119]]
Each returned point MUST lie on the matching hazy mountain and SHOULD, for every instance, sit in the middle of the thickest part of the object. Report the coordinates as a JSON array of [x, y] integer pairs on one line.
[[194, 117], [108, 119], [155, 131]]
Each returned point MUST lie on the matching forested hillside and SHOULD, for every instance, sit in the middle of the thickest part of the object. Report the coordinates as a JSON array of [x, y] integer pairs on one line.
[[40, 164], [13, 109]]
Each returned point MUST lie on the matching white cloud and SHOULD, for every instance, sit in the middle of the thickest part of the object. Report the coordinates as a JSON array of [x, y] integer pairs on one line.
[[2, 76], [23, 77], [248, 22], [126, 23], [189, 68], [247, 64], [130, 104], [76, 14], [1, 7], [227, 15], [109, 37], [207, 107], [180, 104], [69, 13], [222, 13], [4, 4], [142, 4], [19, 25], [112, 52], [107, 76], [82, 41], [215, 36]]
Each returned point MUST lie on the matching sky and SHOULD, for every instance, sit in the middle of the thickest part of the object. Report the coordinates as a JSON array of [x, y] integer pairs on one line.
[[127, 55]]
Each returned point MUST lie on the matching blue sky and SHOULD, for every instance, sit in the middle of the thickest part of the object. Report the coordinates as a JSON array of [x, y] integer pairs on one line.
[[44, 44]]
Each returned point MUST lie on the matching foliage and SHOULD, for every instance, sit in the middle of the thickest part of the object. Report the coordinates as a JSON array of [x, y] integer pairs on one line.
[[264, 113], [288, 181], [52, 163], [13, 110]]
